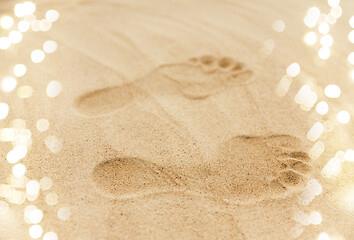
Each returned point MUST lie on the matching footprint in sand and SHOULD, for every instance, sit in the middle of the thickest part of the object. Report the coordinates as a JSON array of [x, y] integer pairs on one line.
[[255, 168], [197, 78], [206, 75], [128, 177], [106, 100]]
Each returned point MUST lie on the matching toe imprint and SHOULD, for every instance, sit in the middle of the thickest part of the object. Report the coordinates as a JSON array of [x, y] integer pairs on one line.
[[130, 177], [106, 100], [256, 169], [206, 75]]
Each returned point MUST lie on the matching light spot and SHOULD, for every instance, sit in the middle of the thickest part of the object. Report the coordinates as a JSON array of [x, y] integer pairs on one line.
[[4, 208], [29, 7], [5, 43], [332, 168], [349, 155], [351, 36], [54, 88], [323, 236], [326, 41], [315, 218], [53, 144], [24, 91], [46, 183], [332, 91], [51, 198], [52, 15], [42, 125], [37, 56], [4, 110], [316, 150], [35, 231], [351, 75], [351, 21], [323, 28], [19, 10], [312, 17], [343, 117], [306, 97], [331, 18], [278, 25], [32, 187], [45, 25], [293, 69], [64, 213], [315, 132], [36, 25], [351, 58], [310, 38], [50, 236], [283, 86], [333, 3], [6, 22], [15, 36], [314, 186], [322, 108], [50, 46], [20, 70], [23, 26], [8, 84], [301, 217], [324, 53], [36, 216], [337, 11], [19, 170]]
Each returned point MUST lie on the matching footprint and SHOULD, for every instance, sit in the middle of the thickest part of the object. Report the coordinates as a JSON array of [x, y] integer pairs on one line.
[[206, 75], [254, 168], [107, 100], [128, 177]]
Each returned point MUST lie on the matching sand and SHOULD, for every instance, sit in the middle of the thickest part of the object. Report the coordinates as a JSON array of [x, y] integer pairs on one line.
[[169, 125]]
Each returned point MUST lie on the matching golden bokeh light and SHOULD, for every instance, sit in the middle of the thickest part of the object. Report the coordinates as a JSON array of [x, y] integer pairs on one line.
[[351, 21], [349, 155], [278, 25], [52, 15], [310, 38], [351, 58], [50, 236], [45, 183], [343, 117], [323, 236], [50, 46], [333, 3], [15, 36], [35, 216], [53, 144], [326, 41], [322, 108], [29, 7], [37, 56], [33, 187], [332, 91], [5, 43], [4, 110], [4, 207], [316, 150], [332, 168], [35, 231], [6, 22], [51, 198], [351, 36], [19, 170], [293, 69], [23, 26], [315, 218], [324, 53], [19, 70], [8, 84], [54, 88], [36, 25], [64, 213], [323, 28], [24, 91], [42, 125], [315, 132]]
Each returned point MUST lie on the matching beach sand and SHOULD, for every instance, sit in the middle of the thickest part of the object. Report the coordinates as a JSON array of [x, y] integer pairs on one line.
[[169, 124]]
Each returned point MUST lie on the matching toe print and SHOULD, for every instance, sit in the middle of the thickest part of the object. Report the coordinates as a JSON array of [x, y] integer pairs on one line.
[[130, 177], [253, 168], [206, 75]]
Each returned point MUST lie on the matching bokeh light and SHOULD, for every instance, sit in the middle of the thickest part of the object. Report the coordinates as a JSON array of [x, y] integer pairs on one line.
[[343, 117], [310, 38], [52, 15], [20, 70], [35, 231], [54, 88], [293, 70], [64, 213], [6, 22], [8, 84], [19, 170], [37, 56], [42, 125], [4, 110], [332, 91], [50, 46]]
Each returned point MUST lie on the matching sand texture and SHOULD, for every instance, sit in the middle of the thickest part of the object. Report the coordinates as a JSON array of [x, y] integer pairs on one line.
[[169, 123]]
